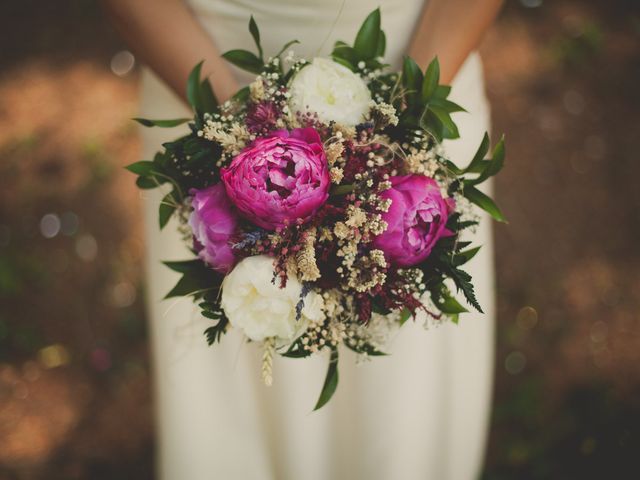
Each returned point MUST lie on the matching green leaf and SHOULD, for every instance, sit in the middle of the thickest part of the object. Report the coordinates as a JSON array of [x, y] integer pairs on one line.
[[490, 167], [242, 95], [366, 349], [296, 350], [184, 266], [286, 45], [147, 183], [342, 190], [467, 255], [450, 128], [382, 44], [449, 305], [185, 286], [453, 167], [431, 80], [497, 158], [442, 91], [446, 105], [208, 99], [429, 122], [438, 122], [405, 315], [366, 43], [167, 207], [193, 87], [142, 168], [197, 278], [215, 332], [480, 153], [330, 382], [214, 312], [162, 123], [255, 33], [411, 79], [344, 63], [342, 51], [463, 283], [245, 60], [478, 198]]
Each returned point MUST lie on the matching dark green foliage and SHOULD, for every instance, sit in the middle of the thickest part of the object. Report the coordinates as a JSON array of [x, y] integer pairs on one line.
[[199, 92], [369, 38], [445, 301], [255, 33], [197, 279], [330, 382], [486, 168], [208, 100], [213, 311], [285, 46], [245, 60], [431, 81], [405, 315], [142, 168], [463, 282], [427, 106], [162, 123], [444, 263], [483, 201], [365, 349], [412, 78], [166, 209], [369, 45], [296, 350]]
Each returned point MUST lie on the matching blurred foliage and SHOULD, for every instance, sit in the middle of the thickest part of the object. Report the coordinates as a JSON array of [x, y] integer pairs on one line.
[[578, 47], [590, 435]]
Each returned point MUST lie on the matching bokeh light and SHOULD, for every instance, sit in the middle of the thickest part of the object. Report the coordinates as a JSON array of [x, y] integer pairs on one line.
[[50, 225], [122, 63]]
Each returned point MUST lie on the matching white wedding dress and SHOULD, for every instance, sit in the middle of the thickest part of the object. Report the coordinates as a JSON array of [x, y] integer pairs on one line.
[[420, 413]]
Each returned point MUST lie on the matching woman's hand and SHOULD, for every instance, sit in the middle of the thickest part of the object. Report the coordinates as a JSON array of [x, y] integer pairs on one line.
[[451, 29], [168, 38]]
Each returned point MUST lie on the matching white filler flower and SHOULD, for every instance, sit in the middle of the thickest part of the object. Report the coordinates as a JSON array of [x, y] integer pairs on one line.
[[332, 91], [260, 308]]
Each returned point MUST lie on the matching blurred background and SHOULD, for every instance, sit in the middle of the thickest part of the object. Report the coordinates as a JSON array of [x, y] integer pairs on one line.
[[75, 399]]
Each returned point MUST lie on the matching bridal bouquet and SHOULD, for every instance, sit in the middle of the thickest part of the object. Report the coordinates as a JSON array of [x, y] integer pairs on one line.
[[318, 202]]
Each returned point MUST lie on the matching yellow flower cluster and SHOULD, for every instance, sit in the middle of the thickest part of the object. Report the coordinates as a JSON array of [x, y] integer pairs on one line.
[[232, 138]]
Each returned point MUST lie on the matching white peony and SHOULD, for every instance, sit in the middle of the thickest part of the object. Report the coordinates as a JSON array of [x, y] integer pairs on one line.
[[260, 308], [332, 91]]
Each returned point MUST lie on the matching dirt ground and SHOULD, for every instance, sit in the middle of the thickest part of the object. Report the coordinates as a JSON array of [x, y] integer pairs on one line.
[[563, 78]]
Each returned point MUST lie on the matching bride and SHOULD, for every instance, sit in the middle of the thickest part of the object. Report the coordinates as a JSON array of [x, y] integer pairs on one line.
[[420, 413]]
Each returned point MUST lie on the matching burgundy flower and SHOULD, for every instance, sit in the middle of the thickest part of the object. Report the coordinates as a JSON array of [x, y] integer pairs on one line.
[[262, 117]]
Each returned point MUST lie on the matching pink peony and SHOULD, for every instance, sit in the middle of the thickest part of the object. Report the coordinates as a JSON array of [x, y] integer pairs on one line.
[[280, 179], [416, 220], [213, 223]]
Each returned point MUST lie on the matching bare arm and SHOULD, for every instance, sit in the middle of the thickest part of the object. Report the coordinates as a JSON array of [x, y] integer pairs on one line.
[[451, 29], [168, 38]]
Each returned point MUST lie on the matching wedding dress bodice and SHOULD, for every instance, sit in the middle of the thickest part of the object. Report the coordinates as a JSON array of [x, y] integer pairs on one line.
[[317, 24]]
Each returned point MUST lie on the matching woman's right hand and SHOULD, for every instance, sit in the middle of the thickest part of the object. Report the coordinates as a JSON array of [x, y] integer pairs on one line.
[[167, 37]]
